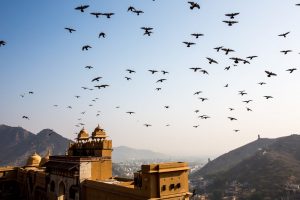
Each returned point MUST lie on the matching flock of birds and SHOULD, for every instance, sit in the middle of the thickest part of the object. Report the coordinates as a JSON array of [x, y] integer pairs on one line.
[[148, 31]]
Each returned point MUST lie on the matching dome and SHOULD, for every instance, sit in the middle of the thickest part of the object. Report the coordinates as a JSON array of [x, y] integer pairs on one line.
[[83, 135], [98, 133], [34, 160], [45, 158]]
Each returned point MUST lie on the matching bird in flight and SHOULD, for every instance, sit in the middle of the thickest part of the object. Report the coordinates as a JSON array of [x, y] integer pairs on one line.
[[86, 47], [285, 51], [30, 92], [164, 72], [283, 34], [71, 30], [251, 57], [204, 116], [204, 71], [167, 107], [269, 74], [197, 93], [232, 118], [82, 7], [188, 44], [203, 99], [97, 14], [193, 5], [247, 101], [291, 70], [69, 107], [268, 97], [147, 30], [152, 71], [130, 71], [197, 35], [231, 109], [236, 60], [248, 109], [147, 125], [88, 67], [242, 92], [102, 34], [127, 78], [227, 68], [2, 43], [230, 23], [101, 86], [77, 96], [227, 50], [231, 15], [25, 117], [108, 15], [261, 83], [236, 130], [131, 8], [226, 85], [130, 112], [218, 48], [138, 12], [195, 68], [211, 60], [158, 88], [96, 79], [161, 80], [196, 126]]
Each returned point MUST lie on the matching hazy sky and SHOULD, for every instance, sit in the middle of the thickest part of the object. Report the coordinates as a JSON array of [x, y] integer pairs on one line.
[[41, 56]]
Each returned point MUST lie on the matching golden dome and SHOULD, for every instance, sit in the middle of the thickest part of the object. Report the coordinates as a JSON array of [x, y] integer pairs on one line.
[[83, 135], [34, 160], [45, 158], [98, 133]]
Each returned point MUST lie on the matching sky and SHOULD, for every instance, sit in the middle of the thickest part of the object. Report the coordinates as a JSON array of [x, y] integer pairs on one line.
[[40, 55]]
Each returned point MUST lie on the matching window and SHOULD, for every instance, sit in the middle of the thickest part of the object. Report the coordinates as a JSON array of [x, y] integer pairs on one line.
[[178, 185], [163, 188], [172, 186]]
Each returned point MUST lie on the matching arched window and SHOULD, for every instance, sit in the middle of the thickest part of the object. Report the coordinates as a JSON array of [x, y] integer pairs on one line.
[[72, 192], [61, 191], [52, 186]]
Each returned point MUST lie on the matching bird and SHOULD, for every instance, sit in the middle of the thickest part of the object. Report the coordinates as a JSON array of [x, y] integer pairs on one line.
[[161, 80], [25, 117], [227, 50], [291, 70], [152, 71], [147, 125], [69, 107], [197, 93], [261, 83], [193, 5], [242, 92], [101, 34], [55, 105], [167, 107], [77, 96], [232, 118], [101, 86], [231, 109], [30, 92], [158, 89], [236, 130], [96, 79], [71, 30], [147, 28], [204, 71], [268, 97], [197, 35], [97, 14], [108, 15], [148, 33], [248, 109], [245, 61], [211, 60], [247, 101], [285, 51], [86, 47], [227, 68], [236, 60], [251, 57], [82, 7], [218, 48], [196, 126], [204, 116], [131, 8], [130, 112], [231, 15], [203, 99], [230, 23], [2, 43], [164, 72], [226, 85], [88, 67], [188, 44], [130, 71], [127, 78], [269, 74], [195, 68], [283, 34], [138, 12], [196, 111]]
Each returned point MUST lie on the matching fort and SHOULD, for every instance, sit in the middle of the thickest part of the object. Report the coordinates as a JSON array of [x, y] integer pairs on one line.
[[85, 173]]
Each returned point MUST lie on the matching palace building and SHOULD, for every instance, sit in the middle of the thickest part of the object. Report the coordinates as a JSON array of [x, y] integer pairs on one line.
[[85, 173]]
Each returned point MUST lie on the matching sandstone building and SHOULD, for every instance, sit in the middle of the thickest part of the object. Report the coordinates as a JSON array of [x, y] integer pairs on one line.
[[85, 173]]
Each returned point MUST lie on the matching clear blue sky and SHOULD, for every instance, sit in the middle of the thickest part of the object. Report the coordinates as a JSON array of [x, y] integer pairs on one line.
[[41, 56]]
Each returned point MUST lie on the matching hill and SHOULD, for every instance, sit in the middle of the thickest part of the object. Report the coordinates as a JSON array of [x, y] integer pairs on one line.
[[18, 144], [123, 153], [230, 159], [266, 173]]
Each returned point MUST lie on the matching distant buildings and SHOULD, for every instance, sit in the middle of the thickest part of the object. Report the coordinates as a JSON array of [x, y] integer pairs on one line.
[[85, 173]]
